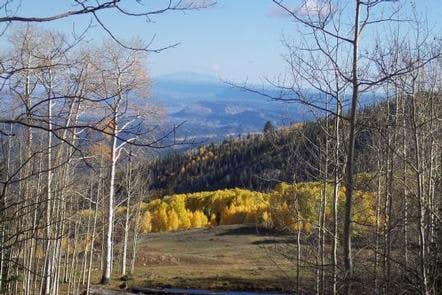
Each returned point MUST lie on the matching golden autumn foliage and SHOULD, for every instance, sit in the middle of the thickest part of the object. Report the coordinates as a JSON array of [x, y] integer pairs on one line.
[[294, 206], [185, 211], [160, 218], [198, 219], [173, 222], [288, 207], [146, 222], [120, 210]]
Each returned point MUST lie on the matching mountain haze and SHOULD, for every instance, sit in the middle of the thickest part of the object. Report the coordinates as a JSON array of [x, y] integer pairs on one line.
[[212, 109]]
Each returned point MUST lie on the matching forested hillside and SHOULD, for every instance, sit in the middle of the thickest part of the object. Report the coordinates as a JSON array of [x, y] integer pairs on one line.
[[259, 161]]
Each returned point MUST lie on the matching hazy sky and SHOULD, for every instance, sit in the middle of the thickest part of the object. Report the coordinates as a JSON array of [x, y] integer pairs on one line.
[[237, 39]]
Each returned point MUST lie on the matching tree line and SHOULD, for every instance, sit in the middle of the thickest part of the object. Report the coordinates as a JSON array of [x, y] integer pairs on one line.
[[68, 120]]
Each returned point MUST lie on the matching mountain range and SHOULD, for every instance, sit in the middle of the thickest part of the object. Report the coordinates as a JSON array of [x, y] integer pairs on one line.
[[212, 109]]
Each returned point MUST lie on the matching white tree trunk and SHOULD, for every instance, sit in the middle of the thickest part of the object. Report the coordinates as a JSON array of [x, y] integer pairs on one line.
[[107, 267], [335, 200], [48, 259]]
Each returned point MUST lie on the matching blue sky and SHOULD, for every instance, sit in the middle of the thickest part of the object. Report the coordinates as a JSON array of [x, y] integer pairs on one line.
[[237, 39]]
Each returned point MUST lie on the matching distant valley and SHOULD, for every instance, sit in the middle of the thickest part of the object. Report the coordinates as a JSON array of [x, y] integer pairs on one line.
[[212, 109]]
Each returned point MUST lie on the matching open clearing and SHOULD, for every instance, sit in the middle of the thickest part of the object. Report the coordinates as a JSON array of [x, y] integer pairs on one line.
[[234, 257]]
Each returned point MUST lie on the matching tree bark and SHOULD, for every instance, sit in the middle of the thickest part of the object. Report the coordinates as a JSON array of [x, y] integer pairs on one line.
[[349, 177]]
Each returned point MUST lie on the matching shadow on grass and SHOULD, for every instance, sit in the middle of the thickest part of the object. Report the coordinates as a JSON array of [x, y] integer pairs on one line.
[[274, 241], [223, 283], [248, 229]]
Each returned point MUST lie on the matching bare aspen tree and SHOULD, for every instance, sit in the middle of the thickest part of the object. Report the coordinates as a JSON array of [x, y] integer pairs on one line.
[[119, 75], [129, 193], [336, 183]]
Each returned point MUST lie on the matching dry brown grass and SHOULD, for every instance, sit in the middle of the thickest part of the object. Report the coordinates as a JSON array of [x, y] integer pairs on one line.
[[233, 257], [226, 257]]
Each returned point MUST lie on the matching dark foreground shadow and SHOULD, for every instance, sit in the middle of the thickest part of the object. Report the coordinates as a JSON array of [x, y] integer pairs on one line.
[[274, 241], [249, 229], [138, 290], [215, 285]]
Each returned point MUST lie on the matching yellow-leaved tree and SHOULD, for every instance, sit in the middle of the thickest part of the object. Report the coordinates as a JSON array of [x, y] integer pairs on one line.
[[198, 219], [146, 222], [289, 207]]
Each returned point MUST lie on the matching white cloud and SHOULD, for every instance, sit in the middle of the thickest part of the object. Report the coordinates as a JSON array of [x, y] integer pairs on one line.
[[312, 8]]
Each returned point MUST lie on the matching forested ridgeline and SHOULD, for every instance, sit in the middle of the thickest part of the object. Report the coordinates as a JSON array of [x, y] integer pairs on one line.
[[261, 161]]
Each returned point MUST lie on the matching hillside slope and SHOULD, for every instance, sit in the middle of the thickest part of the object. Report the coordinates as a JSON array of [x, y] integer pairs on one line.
[[258, 161]]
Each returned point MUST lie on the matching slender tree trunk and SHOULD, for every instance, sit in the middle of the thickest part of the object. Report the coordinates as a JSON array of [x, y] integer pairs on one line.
[[72, 270], [421, 201], [389, 178], [324, 206], [89, 271], [336, 199], [298, 248], [125, 241], [68, 248], [404, 181], [83, 272], [2, 255], [135, 239], [349, 177], [94, 227], [126, 223], [378, 220], [48, 234], [107, 267], [3, 204]]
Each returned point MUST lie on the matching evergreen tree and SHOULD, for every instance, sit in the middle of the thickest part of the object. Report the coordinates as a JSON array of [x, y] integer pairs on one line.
[[268, 127]]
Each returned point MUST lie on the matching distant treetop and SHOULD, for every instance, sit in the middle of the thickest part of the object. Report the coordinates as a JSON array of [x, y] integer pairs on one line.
[[268, 127]]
